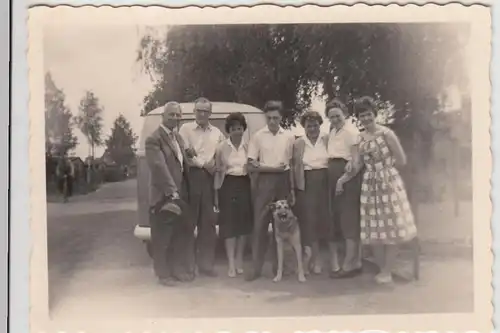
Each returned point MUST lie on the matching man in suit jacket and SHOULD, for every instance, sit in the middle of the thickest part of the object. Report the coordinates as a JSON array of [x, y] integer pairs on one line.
[[172, 237]]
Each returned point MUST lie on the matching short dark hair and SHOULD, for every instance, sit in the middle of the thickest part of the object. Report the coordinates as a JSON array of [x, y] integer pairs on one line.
[[311, 115], [273, 106], [365, 104], [335, 103], [235, 119], [203, 101]]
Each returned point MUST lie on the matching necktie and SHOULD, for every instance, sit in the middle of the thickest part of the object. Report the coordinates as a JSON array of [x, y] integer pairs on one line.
[[176, 144]]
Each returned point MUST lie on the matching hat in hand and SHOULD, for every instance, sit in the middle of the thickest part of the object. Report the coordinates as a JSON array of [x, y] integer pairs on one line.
[[171, 207], [169, 213]]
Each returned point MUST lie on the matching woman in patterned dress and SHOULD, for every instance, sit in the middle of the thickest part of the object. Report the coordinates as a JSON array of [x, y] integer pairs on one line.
[[386, 216]]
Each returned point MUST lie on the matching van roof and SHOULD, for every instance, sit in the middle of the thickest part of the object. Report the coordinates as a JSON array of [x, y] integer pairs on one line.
[[217, 107]]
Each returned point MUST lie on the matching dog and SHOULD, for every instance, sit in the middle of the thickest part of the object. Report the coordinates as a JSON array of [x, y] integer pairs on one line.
[[286, 230]]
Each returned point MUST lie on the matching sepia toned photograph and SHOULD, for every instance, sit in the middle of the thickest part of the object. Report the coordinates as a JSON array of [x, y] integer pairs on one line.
[[204, 167]]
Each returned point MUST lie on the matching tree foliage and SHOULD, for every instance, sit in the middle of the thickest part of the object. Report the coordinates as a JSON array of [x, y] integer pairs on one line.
[[405, 66], [90, 121], [121, 143], [59, 137]]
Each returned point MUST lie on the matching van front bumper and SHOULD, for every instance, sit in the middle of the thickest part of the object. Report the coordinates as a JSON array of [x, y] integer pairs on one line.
[[143, 232]]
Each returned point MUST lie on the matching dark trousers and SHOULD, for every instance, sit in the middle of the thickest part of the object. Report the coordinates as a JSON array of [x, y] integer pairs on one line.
[[68, 181], [269, 188], [171, 238], [346, 206], [201, 196]]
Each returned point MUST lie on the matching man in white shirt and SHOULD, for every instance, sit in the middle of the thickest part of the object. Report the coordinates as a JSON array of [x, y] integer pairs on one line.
[[269, 155], [202, 139]]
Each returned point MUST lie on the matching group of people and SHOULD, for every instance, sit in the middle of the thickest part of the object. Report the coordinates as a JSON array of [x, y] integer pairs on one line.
[[344, 187]]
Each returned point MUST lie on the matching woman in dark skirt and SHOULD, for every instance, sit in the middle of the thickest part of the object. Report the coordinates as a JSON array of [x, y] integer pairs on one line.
[[310, 183], [345, 190], [232, 192]]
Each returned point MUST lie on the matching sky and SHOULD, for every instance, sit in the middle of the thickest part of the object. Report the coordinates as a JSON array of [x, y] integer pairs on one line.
[[100, 59]]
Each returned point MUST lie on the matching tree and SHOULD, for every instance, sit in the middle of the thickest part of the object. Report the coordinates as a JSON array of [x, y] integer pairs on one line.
[[407, 64], [59, 138], [89, 120], [404, 66], [121, 143]]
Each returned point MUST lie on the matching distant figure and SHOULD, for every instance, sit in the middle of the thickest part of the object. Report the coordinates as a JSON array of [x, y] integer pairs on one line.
[[65, 173]]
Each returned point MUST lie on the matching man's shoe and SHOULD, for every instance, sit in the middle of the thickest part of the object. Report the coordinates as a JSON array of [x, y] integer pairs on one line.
[[208, 272], [252, 276], [167, 282], [190, 277], [349, 274], [183, 277]]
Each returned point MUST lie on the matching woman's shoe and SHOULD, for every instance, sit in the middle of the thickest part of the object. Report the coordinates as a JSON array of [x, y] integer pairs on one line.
[[231, 273], [334, 274], [383, 278]]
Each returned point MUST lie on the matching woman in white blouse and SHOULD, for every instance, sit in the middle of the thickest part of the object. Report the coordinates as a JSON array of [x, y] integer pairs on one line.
[[232, 192], [310, 185]]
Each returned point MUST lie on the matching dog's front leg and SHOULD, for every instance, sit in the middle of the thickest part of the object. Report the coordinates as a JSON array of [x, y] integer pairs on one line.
[[279, 251], [297, 247]]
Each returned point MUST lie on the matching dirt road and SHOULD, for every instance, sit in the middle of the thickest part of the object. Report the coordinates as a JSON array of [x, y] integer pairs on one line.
[[97, 267]]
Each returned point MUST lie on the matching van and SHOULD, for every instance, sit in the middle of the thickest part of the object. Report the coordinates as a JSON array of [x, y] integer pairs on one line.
[[220, 110]]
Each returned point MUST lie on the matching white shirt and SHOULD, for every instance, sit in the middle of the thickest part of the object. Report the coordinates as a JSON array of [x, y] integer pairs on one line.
[[341, 141], [315, 156], [203, 141], [236, 160], [172, 137], [271, 150]]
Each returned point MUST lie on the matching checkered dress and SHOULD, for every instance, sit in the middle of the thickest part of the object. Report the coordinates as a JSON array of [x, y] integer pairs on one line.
[[386, 216]]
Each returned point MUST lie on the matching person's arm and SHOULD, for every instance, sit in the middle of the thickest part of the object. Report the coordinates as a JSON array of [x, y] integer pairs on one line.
[[253, 154], [219, 172], [253, 164], [189, 150], [158, 167], [210, 165], [291, 173], [218, 176], [395, 148], [356, 163]]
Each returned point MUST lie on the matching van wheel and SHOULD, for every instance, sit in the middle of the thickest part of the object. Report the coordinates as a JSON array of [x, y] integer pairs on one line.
[[149, 249]]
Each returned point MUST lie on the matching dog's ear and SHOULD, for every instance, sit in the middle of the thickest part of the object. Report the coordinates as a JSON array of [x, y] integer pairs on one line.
[[272, 206]]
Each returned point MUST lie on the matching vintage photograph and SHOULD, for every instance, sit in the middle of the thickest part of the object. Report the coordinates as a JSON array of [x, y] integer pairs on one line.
[[209, 170]]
